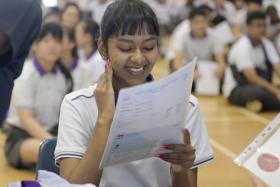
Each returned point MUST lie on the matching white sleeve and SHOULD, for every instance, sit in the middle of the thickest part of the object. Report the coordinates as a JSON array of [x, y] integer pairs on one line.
[[73, 134], [177, 40], [271, 52], [240, 56], [199, 135], [24, 91]]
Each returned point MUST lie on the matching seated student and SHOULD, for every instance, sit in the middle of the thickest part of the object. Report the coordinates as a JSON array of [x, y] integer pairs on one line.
[[252, 59], [224, 8], [71, 14], [238, 21], [273, 27], [86, 36], [80, 72], [36, 100], [199, 42], [129, 42]]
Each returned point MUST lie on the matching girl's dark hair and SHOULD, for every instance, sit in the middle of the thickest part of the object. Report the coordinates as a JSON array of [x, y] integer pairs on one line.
[[70, 33], [259, 2], [50, 28], [92, 28], [69, 4], [255, 16], [53, 11], [197, 12], [128, 17]]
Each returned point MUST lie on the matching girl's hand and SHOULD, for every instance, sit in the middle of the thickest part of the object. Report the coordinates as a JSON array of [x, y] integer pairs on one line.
[[104, 95], [183, 155]]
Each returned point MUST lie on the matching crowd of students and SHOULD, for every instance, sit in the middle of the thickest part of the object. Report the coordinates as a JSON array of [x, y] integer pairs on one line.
[[70, 53]]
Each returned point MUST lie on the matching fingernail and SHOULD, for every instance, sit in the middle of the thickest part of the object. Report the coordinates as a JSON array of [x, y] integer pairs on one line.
[[185, 130], [159, 156], [106, 64]]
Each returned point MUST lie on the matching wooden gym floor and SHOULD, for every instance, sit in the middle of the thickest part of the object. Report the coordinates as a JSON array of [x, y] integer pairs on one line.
[[230, 130]]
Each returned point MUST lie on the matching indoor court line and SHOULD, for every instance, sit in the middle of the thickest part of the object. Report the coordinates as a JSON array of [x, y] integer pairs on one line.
[[254, 116], [223, 149]]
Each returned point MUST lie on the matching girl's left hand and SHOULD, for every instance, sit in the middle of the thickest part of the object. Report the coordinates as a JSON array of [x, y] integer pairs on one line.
[[182, 156]]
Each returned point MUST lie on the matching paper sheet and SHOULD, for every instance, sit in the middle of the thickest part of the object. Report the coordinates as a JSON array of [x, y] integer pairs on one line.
[[148, 116], [207, 83], [262, 156]]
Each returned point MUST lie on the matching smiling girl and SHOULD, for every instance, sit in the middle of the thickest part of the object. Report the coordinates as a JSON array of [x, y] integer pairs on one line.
[[129, 43]]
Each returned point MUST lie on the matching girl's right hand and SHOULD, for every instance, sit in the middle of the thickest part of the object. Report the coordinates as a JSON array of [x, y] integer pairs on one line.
[[104, 95]]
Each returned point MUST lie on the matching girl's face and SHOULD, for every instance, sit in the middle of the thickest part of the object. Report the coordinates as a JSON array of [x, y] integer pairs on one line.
[[70, 17], [132, 57], [48, 49], [198, 25]]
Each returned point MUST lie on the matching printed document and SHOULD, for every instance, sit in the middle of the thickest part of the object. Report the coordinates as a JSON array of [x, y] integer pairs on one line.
[[262, 156], [148, 116]]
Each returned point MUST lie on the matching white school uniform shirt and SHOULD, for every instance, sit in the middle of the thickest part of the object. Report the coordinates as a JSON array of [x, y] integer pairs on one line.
[[81, 74], [176, 43], [40, 92], [202, 48], [95, 66], [97, 9], [162, 11], [77, 122], [244, 55]]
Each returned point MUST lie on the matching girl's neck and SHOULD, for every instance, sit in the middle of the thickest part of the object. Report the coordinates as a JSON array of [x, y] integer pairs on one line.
[[47, 66], [88, 50]]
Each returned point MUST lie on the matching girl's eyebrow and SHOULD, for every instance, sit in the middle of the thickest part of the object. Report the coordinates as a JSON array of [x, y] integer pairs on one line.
[[122, 39]]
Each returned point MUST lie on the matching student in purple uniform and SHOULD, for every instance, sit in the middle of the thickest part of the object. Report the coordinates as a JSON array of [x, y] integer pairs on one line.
[[80, 73], [36, 100], [129, 42]]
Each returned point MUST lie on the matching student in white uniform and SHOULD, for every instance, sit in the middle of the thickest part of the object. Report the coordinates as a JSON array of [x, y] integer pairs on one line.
[[36, 100], [200, 42], [86, 36], [129, 42], [80, 72], [181, 32], [71, 14], [252, 59]]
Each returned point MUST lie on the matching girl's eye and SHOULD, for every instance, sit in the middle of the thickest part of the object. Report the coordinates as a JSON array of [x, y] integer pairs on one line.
[[149, 48], [125, 49]]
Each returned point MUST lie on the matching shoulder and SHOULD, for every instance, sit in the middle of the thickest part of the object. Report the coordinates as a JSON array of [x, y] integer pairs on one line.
[[81, 104], [267, 43], [29, 71], [81, 95], [242, 45], [243, 41]]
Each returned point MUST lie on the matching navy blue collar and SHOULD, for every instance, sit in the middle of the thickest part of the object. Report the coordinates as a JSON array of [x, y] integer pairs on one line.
[[253, 42], [194, 37]]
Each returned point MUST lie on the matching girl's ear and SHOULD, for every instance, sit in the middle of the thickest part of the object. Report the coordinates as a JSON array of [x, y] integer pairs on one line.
[[101, 49]]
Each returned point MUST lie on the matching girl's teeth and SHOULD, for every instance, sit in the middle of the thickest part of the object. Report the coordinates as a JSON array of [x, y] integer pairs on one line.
[[136, 69]]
